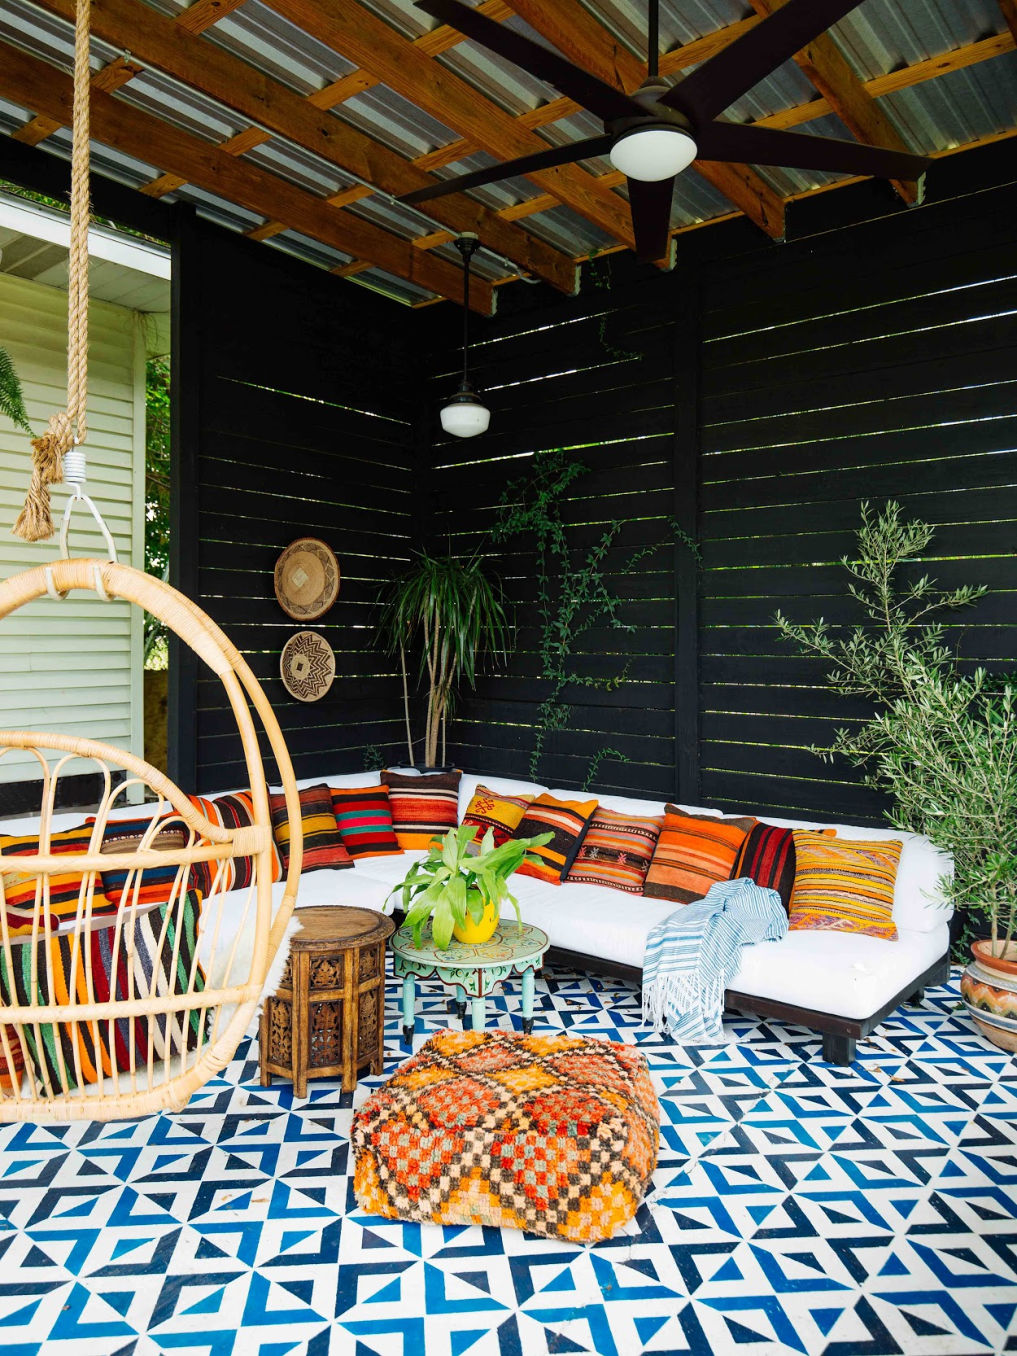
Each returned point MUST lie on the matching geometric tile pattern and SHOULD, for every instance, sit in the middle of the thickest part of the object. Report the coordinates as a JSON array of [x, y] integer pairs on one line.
[[797, 1208]]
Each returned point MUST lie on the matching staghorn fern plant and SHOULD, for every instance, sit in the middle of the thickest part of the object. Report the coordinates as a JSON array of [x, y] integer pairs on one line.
[[12, 400]]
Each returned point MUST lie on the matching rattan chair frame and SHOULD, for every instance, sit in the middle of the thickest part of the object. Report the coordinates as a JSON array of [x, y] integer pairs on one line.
[[133, 1088]]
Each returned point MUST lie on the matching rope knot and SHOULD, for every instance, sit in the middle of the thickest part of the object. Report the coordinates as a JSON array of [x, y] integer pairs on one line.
[[35, 521]]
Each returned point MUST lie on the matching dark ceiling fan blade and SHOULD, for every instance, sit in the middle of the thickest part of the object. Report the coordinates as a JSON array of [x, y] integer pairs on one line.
[[651, 216], [526, 164], [721, 79], [752, 145], [600, 98]]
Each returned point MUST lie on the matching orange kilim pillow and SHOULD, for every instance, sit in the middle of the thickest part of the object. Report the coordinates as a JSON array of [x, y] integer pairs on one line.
[[693, 853], [553, 1134]]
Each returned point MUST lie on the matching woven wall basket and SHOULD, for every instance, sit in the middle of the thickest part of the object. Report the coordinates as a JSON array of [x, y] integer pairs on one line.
[[306, 579], [307, 666]]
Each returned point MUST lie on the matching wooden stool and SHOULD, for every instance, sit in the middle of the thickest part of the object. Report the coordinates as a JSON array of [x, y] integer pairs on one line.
[[327, 1017]]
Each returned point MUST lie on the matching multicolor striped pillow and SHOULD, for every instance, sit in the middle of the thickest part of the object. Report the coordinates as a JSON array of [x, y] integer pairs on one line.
[[65, 888], [233, 811], [693, 852], [617, 850], [845, 885], [163, 960], [423, 807], [153, 885], [364, 817], [497, 811], [768, 857], [323, 845], [567, 821]]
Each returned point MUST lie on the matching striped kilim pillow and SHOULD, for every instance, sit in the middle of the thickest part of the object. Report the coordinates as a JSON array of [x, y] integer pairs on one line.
[[153, 885], [364, 817], [693, 852], [768, 858], [233, 811], [845, 885], [323, 844], [161, 960], [617, 850], [567, 821], [423, 807], [65, 888], [497, 811]]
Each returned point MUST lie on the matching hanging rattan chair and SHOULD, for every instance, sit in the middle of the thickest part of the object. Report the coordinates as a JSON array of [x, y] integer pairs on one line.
[[107, 1015]]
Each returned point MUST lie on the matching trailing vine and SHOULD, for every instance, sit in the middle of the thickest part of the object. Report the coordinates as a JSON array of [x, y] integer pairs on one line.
[[600, 280], [573, 596]]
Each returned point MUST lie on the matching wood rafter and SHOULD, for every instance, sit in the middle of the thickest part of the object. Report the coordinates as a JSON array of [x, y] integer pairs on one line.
[[47, 91], [586, 42], [1008, 8], [348, 28], [170, 47], [829, 70]]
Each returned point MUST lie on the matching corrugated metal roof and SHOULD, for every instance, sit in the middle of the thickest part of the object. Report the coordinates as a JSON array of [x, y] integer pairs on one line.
[[878, 37]]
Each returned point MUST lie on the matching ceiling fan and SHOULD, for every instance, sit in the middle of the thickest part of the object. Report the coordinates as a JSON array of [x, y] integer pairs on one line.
[[657, 131]]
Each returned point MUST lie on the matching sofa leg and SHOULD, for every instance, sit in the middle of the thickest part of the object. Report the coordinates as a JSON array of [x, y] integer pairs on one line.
[[917, 997], [838, 1049]]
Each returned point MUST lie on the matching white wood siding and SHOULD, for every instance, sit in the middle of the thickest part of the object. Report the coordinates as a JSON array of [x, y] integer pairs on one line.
[[74, 667]]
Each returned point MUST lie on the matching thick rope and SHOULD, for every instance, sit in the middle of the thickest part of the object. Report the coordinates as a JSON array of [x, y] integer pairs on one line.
[[35, 522]]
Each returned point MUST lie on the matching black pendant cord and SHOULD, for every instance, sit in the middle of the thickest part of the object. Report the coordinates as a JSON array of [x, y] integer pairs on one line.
[[467, 244], [653, 40]]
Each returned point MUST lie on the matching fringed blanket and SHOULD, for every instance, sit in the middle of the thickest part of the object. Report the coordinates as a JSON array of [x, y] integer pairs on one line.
[[693, 954]]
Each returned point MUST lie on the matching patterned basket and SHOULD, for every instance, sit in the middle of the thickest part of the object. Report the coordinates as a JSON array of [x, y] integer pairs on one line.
[[552, 1134]]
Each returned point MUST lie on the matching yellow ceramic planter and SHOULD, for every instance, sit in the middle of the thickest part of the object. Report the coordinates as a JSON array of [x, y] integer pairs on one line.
[[475, 933]]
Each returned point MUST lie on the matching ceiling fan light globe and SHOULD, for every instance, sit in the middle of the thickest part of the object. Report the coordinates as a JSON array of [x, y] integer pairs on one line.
[[465, 415], [652, 153]]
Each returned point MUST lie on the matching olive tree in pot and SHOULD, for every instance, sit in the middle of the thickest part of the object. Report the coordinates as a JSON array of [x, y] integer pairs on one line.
[[454, 612], [942, 742]]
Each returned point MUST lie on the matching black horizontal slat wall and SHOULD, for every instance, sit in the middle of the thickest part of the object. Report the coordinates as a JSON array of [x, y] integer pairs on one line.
[[756, 395], [593, 375], [297, 390], [876, 362]]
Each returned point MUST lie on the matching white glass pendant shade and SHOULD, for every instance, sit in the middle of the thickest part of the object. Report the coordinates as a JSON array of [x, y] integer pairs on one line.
[[652, 153], [465, 415]]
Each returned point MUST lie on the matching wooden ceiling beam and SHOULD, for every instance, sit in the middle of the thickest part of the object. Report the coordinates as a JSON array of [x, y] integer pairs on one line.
[[1008, 8], [585, 41], [47, 91], [353, 31], [828, 69], [166, 45]]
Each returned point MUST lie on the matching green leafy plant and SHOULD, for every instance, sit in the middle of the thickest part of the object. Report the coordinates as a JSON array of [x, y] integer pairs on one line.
[[450, 884], [454, 612], [12, 399], [942, 742], [157, 498], [573, 594]]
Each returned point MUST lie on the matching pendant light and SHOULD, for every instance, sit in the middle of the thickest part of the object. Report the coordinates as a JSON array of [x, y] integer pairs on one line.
[[465, 415]]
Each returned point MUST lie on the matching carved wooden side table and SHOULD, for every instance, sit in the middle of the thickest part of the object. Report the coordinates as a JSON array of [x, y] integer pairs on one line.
[[327, 1018]]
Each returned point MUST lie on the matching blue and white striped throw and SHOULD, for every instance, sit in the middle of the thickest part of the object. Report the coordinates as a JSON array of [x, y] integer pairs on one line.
[[692, 955]]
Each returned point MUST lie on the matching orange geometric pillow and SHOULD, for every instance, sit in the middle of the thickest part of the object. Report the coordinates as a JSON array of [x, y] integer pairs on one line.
[[693, 852], [66, 888], [567, 822], [494, 810], [844, 885]]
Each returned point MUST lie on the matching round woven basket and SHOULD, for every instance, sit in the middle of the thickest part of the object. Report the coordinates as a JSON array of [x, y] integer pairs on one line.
[[306, 579]]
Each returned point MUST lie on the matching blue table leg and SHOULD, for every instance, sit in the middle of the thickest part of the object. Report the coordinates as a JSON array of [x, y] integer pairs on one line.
[[479, 1013], [409, 1008], [527, 1001], [460, 1001]]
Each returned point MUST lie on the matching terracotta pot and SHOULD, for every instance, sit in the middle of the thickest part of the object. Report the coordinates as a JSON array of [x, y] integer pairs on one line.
[[474, 933], [989, 990]]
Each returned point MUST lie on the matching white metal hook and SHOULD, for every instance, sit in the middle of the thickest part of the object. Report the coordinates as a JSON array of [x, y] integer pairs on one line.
[[78, 496]]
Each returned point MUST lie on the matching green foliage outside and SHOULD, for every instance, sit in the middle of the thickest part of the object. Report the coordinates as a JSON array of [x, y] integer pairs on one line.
[[157, 497], [12, 401], [942, 741], [573, 593]]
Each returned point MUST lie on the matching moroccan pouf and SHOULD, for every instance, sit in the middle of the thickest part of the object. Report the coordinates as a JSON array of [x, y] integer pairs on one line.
[[553, 1134]]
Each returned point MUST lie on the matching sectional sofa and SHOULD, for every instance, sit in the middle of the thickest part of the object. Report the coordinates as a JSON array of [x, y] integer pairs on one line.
[[837, 984]]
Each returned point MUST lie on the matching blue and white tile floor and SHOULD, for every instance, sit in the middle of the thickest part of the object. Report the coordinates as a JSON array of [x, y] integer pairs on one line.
[[797, 1207]]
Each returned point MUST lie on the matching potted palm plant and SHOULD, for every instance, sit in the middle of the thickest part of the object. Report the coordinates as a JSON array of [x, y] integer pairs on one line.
[[454, 612], [461, 890], [942, 742]]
